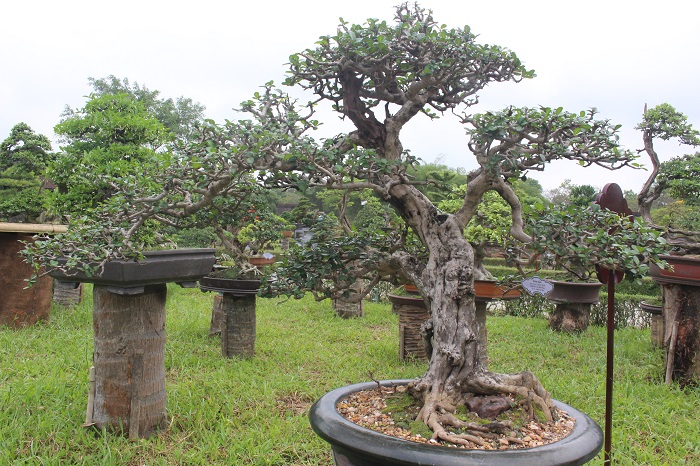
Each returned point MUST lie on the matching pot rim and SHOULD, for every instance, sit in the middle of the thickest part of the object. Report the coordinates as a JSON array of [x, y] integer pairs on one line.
[[581, 445]]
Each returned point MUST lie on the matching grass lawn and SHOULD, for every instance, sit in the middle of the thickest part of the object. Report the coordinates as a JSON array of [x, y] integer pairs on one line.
[[253, 412]]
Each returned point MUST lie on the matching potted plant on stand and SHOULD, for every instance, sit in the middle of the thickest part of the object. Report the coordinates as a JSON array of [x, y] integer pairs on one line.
[[575, 240], [233, 313], [680, 281]]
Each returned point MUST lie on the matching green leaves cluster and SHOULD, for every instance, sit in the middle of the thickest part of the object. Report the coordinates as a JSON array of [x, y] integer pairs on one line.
[[681, 176], [113, 145], [576, 239], [24, 156], [396, 62], [514, 140], [665, 122]]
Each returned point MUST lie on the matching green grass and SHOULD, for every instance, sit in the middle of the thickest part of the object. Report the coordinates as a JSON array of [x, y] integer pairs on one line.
[[253, 412]]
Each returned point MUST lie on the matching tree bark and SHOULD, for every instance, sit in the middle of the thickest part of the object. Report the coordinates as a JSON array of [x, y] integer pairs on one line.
[[570, 317], [458, 367], [681, 310], [129, 360], [353, 305], [238, 326], [217, 315], [21, 306]]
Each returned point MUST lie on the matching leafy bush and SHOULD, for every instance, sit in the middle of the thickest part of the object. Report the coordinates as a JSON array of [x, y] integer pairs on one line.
[[196, 237]]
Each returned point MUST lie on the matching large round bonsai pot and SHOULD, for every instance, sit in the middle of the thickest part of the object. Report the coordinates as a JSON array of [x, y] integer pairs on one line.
[[574, 292], [686, 271], [353, 445]]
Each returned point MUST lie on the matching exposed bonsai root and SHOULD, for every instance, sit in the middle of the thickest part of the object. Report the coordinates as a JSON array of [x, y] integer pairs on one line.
[[439, 406], [524, 385]]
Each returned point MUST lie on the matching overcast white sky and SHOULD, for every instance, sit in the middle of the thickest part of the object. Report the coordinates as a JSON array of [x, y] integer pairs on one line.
[[615, 55]]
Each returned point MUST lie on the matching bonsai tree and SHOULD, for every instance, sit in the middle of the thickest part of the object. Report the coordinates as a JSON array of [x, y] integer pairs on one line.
[[678, 176], [379, 76], [576, 239], [24, 156]]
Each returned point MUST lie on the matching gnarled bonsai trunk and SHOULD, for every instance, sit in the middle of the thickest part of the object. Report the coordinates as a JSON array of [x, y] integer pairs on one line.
[[458, 366]]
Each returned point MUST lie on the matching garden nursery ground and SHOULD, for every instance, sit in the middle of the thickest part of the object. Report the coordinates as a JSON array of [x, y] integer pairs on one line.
[[254, 412]]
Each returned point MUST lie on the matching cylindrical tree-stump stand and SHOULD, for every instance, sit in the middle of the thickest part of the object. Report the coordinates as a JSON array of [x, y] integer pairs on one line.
[[411, 319], [129, 360], [67, 293], [570, 317], [217, 315], [412, 314], [238, 326], [20, 306], [352, 305], [681, 333]]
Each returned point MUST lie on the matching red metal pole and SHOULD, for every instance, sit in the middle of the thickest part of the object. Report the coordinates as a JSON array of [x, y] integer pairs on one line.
[[609, 368]]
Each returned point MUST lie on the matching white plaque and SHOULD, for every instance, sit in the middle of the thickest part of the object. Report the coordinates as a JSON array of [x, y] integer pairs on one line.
[[536, 285]]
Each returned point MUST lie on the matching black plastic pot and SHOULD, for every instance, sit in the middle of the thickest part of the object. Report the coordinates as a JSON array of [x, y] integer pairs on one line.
[[353, 445], [182, 266]]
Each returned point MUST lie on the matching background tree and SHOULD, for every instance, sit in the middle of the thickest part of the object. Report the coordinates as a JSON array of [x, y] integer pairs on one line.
[[111, 143], [180, 115], [379, 77], [24, 156]]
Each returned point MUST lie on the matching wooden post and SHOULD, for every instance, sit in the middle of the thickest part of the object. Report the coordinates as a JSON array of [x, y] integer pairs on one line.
[[20, 306], [411, 317], [681, 311], [353, 305], [129, 360], [238, 326]]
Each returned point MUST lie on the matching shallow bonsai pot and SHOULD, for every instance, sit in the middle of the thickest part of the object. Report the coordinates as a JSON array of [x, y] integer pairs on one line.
[[654, 309], [261, 261], [182, 266], [488, 289], [229, 285], [353, 445], [409, 300], [686, 271], [574, 292], [411, 289]]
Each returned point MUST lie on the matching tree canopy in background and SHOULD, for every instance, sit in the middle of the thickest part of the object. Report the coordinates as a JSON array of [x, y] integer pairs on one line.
[[24, 155]]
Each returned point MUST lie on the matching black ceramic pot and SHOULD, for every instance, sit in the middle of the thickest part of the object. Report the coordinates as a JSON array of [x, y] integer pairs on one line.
[[230, 285], [353, 445], [182, 266]]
